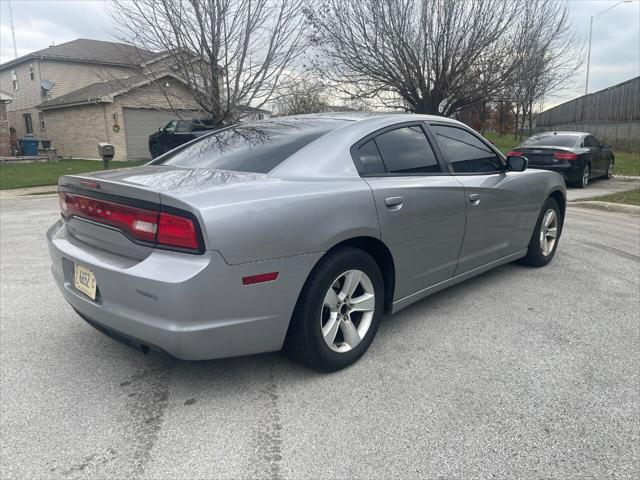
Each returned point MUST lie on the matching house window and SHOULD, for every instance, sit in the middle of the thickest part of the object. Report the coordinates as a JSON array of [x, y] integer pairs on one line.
[[31, 74], [14, 80], [41, 120], [28, 124]]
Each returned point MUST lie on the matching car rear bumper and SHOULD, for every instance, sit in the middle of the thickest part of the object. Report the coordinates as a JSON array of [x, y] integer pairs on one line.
[[570, 171], [193, 307]]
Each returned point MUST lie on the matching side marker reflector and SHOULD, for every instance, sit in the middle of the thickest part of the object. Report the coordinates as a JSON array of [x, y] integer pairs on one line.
[[261, 278]]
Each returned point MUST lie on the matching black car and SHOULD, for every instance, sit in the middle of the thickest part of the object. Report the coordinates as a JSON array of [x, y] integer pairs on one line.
[[578, 156], [178, 132]]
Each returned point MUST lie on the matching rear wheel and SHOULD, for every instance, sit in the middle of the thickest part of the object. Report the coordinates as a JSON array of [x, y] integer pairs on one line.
[[338, 312], [544, 241], [583, 182]]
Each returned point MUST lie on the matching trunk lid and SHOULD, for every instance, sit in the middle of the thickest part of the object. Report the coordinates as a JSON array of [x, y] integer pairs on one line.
[[541, 155], [148, 187]]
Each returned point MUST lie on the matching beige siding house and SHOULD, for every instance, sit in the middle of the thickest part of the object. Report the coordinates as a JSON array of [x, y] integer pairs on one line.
[[123, 112], [83, 92], [39, 80]]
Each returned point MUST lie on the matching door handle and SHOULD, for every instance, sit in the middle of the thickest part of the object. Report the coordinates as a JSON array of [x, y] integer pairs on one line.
[[474, 198], [393, 203]]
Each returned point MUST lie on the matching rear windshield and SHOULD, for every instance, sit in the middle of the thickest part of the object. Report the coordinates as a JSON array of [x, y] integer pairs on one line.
[[552, 140], [252, 147]]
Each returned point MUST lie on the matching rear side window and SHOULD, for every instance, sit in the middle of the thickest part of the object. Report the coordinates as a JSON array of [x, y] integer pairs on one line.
[[407, 150], [252, 147], [370, 158], [466, 153], [552, 140]]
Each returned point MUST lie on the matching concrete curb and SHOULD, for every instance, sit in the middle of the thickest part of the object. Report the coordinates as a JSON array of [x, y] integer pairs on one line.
[[21, 192], [626, 178], [607, 206]]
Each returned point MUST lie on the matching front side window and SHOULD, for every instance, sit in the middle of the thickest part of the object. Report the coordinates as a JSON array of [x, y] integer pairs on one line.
[[591, 142], [252, 147], [406, 150], [183, 127], [466, 153], [28, 124]]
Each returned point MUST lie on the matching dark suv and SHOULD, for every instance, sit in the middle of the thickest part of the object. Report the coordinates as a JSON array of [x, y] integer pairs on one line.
[[178, 132]]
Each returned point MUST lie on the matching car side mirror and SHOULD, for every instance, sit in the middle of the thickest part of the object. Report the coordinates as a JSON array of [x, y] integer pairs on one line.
[[161, 129], [604, 145], [517, 163]]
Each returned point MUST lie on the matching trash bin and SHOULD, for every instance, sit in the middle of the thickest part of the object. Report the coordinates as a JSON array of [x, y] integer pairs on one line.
[[29, 146]]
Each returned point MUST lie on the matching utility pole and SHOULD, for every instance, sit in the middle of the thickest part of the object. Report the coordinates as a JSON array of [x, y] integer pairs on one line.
[[13, 31], [593, 17]]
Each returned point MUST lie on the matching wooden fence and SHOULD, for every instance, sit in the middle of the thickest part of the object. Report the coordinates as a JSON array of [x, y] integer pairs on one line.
[[620, 103]]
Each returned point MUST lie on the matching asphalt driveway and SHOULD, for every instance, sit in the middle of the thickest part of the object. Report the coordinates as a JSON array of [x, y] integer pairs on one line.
[[518, 373]]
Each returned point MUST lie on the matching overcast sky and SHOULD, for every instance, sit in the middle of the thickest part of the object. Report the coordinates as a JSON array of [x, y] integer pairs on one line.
[[615, 51]]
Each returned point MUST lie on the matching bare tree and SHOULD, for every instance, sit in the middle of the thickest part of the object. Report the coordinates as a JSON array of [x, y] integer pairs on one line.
[[229, 53], [550, 54], [307, 95], [426, 56]]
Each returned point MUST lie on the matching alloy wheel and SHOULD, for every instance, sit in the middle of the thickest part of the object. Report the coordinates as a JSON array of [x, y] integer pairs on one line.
[[347, 311], [585, 175], [548, 232]]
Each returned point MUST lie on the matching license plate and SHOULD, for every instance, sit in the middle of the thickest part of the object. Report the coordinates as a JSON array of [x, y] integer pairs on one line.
[[85, 281]]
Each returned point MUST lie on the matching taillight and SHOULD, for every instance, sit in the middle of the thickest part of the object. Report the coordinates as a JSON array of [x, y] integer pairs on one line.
[[177, 231], [565, 156], [149, 226], [514, 153]]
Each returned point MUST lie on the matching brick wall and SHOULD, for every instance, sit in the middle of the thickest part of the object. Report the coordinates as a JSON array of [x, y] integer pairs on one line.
[[5, 141], [76, 131]]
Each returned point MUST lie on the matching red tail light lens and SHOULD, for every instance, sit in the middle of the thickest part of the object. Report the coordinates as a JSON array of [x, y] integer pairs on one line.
[[565, 156], [149, 226], [177, 231], [514, 153]]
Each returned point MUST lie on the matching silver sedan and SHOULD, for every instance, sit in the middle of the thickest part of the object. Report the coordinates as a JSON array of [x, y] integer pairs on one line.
[[297, 233]]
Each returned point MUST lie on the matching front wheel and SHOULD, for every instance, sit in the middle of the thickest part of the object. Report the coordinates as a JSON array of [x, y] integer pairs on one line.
[[155, 149], [609, 173], [338, 312], [544, 241]]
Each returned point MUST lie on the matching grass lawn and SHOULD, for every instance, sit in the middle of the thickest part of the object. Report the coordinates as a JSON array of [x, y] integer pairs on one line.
[[39, 174], [630, 197], [626, 163]]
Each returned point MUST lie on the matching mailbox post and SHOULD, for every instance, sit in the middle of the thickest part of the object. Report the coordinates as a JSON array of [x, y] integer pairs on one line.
[[106, 152]]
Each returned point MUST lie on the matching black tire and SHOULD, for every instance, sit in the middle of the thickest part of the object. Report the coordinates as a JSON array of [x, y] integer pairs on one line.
[[155, 149], [304, 339], [535, 256], [609, 174], [583, 181]]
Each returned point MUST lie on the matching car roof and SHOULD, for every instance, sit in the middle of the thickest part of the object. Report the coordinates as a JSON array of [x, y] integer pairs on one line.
[[560, 133], [360, 116]]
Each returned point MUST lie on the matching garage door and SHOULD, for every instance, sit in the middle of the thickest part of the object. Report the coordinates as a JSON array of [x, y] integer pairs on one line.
[[139, 123]]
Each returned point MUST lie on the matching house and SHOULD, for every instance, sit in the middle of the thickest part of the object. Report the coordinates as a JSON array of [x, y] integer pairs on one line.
[[86, 91]]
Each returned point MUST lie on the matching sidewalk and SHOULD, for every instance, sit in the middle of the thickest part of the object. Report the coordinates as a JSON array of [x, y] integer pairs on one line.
[[20, 192]]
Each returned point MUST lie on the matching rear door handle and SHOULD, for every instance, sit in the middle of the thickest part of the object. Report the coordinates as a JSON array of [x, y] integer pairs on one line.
[[474, 198], [393, 203]]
